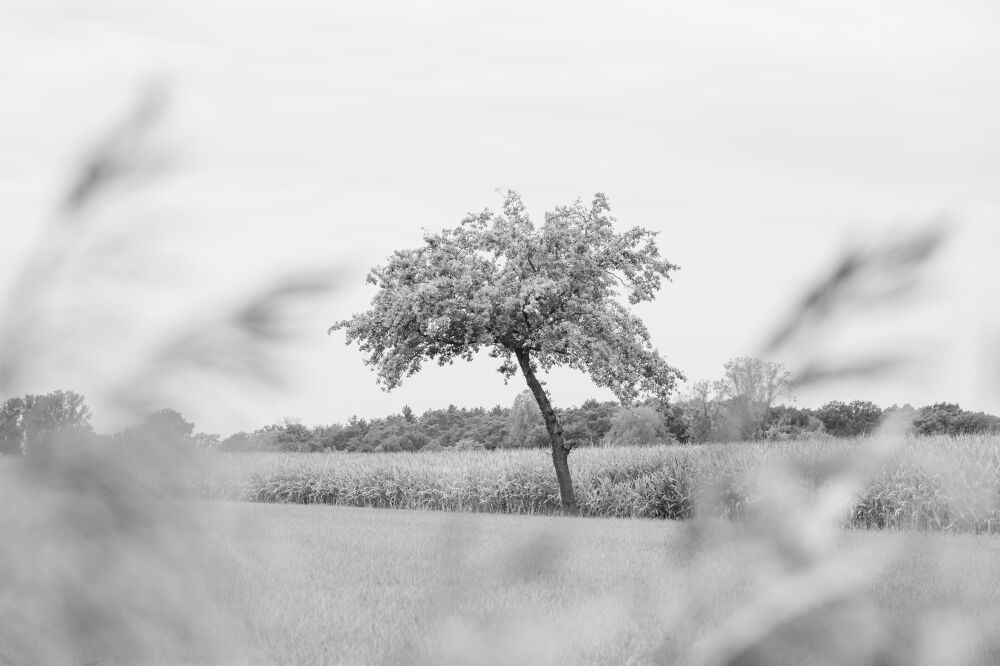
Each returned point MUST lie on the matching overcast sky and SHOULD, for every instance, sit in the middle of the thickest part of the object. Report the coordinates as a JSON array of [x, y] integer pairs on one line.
[[760, 141]]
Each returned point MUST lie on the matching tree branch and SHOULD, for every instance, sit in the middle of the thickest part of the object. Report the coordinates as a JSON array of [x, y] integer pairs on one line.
[[624, 284]]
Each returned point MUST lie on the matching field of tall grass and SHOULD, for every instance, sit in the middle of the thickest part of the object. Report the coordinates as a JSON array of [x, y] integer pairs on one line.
[[940, 483]]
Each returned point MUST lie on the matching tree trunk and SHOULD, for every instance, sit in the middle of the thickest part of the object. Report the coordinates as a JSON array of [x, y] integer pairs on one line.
[[560, 453]]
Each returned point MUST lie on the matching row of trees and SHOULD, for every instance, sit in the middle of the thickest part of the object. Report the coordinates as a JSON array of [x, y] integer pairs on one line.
[[28, 421], [741, 406], [518, 426], [853, 419], [605, 424]]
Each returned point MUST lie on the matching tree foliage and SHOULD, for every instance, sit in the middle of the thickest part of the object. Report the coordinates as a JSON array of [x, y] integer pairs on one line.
[[638, 426], [522, 421], [946, 418], [169, 421], [588, 424], [33, 420], [859, 417], [498, 283]]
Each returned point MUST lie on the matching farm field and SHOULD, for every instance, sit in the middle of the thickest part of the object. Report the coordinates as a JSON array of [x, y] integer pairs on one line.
[[320, 584], [109, 560], [947, 484]]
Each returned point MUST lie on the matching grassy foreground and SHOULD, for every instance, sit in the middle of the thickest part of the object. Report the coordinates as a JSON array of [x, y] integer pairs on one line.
[[940, 483], [104, 562], [339, 585]]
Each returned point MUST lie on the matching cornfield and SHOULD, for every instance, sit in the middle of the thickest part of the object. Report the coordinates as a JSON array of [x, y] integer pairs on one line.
[[941, 483]]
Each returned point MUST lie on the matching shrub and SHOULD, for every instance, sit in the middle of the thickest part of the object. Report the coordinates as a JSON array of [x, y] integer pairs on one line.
[[640, 426]]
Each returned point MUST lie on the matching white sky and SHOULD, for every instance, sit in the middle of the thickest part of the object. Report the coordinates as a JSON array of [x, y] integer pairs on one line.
[[760, 141]]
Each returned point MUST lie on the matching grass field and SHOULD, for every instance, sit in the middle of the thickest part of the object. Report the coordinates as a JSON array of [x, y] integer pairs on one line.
[[105, 561], [940, 483], [339, 585]]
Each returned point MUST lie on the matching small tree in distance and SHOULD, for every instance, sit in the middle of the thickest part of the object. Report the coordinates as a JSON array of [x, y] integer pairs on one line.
[[749, 388], [521, 421], [535, 298]]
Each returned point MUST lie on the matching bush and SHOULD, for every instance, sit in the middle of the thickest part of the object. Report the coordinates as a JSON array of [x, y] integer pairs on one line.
[[640, 426]]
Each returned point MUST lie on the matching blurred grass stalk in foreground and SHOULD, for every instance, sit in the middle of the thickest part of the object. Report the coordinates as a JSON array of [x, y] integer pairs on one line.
[[808, 607], [105, 557]]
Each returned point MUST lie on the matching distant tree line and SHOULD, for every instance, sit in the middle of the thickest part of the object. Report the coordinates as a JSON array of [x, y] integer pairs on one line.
[[704, 415], [854, 419], [742, 406], [517, 426], [603, 424], [30, 422]]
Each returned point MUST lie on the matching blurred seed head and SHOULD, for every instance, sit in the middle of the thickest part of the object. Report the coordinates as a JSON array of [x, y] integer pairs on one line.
[[107, 557]]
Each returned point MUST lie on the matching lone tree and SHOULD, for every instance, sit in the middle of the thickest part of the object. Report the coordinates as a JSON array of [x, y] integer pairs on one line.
[[750, 386], [534, 297], [522, 420]]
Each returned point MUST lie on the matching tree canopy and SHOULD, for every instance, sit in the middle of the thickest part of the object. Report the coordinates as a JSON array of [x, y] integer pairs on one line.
[[638, 426], [497, 282], [30, 420]]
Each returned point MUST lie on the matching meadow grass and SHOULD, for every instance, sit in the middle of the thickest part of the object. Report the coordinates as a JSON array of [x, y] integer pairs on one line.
[[942, 483], [343, 585]]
